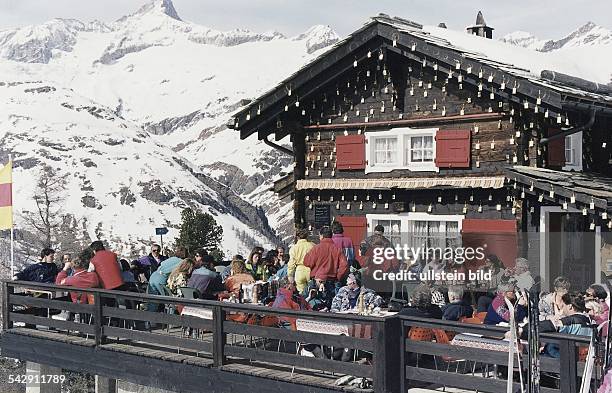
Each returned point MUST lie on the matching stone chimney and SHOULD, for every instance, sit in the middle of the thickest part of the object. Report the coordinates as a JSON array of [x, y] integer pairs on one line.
[[480, 28]]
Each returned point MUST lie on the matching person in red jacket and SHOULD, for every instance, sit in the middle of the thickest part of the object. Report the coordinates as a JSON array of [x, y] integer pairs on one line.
[[105, 264], [80, 278], [327, 264]]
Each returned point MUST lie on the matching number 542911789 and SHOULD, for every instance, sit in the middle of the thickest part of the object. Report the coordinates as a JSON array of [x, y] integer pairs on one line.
[[36, 378]]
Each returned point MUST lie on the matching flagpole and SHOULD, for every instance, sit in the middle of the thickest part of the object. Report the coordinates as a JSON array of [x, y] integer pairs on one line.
[[12, 230]]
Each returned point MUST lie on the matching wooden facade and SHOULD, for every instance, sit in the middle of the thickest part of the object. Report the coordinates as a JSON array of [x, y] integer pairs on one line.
[[390, 76]]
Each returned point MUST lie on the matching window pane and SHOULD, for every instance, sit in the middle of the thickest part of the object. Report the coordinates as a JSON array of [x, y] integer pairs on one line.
[[452, 234], [428, 142], [385, 150], [416, 142], [419, 233], [417, 155]]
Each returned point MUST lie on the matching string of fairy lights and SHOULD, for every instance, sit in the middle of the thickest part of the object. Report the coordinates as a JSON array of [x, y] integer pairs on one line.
[[371, 92], [384, 199]]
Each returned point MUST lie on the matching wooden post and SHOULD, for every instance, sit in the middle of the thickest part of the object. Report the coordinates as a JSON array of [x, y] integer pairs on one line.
[[219, 338], [98, 322], [299, 152], [39, 378], [388, 370], [105, 385], [567, 366], [402, 363], [7, 291]]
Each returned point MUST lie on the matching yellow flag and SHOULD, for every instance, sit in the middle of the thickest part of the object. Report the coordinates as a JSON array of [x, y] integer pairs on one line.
[[6, 196]]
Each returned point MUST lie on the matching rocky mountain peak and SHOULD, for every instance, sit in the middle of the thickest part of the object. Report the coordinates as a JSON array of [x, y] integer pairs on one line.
[[317, 37], [588, 34], [156, 7]]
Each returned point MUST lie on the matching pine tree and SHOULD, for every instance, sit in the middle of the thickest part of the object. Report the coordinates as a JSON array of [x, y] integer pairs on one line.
[[199, 230]]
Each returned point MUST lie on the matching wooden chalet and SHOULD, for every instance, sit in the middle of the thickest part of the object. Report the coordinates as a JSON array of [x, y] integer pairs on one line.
[[414, 129]]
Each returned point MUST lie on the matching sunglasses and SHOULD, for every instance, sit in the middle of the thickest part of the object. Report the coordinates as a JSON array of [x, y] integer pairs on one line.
[[155, 250]]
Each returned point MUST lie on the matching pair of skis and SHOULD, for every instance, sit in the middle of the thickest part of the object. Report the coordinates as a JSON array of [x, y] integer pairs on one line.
[[533, 372]]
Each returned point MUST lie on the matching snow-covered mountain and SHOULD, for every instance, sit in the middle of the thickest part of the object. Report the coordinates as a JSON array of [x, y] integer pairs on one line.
[[589, 41], [135, 112], [588, 35]]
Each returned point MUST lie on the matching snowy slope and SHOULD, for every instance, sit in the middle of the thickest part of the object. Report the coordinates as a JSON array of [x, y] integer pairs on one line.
[[121, 184], [588, 35], [524, 39], [165, 89]]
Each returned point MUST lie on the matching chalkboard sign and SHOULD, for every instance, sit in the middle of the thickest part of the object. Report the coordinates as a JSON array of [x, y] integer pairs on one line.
[[322, 215]]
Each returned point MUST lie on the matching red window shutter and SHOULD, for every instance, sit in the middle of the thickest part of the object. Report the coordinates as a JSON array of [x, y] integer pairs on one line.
[[556, 149], [453, 148], [355, 228], [498, 237], [350, 152]]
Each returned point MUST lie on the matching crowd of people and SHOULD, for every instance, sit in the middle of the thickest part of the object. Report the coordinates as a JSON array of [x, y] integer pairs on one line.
[[326, 276]]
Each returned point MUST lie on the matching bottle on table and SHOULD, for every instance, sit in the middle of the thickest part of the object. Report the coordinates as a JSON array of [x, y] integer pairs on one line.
[[361, 304]]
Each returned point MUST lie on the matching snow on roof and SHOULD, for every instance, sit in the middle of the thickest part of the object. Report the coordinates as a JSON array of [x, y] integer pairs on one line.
[[515, 61], [518, 61]]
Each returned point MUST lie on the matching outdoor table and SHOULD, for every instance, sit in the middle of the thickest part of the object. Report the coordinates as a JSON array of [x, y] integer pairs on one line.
[[198, 312], [46, 293], [339, 328], [322, 327], [478, 341]]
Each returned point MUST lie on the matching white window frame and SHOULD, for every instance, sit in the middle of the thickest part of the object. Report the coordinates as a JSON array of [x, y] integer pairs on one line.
[[575, 142], [406, 218], [403, 136], [398, 155]]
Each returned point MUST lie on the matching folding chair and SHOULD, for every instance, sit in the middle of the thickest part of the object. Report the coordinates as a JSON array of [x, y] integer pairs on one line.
[[480, 316], [189, 293], [475, 321], [442, 338], [417, 333]]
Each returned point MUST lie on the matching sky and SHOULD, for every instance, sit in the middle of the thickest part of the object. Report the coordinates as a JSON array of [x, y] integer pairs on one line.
[[547, 19]]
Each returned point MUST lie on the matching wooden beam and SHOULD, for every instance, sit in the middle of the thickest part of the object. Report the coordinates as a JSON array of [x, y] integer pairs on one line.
[[52, 304], [406, 122], [157, 317], [299, 336], [161, 339], [387, 368], [350, 368], [569, 360], [7, 293], [219, 337], [468, 382], [173, 375], [49, 322]]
